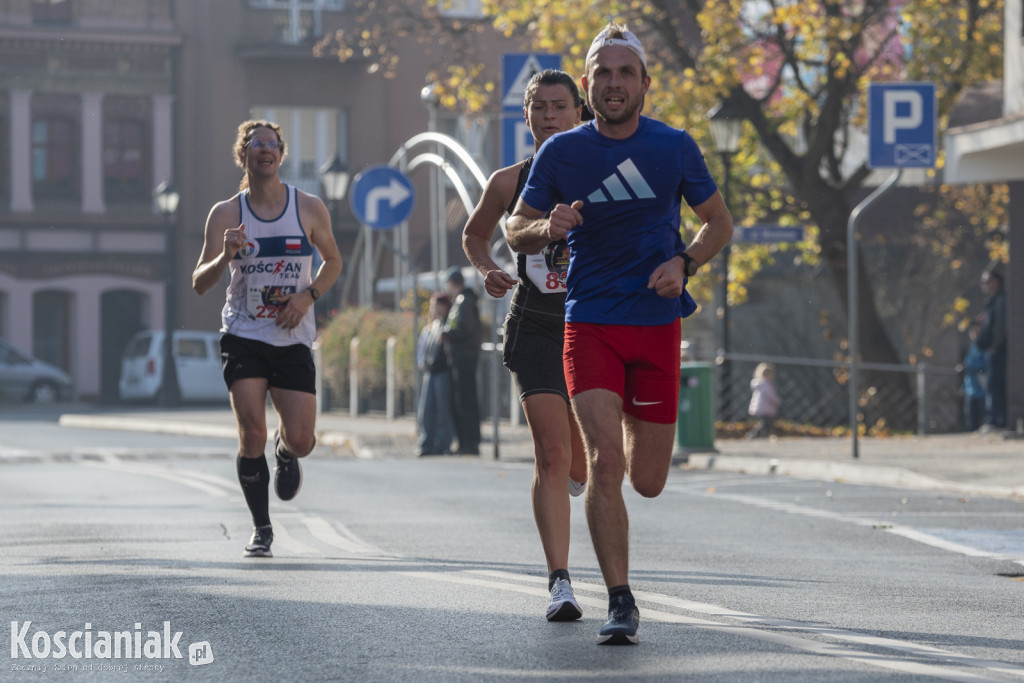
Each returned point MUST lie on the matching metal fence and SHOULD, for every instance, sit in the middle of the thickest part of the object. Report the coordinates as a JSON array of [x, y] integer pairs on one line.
[[920, 399], [815, 394]]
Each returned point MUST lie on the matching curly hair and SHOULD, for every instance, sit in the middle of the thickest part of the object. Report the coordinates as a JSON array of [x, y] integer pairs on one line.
[[246, 129]]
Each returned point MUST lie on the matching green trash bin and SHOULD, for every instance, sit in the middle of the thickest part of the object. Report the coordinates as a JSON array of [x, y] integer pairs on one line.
[[695, 425]]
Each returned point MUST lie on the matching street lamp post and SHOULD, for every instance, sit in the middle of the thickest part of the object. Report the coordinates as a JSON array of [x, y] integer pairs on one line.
[[166, 197], [334, 176], [726, 128], [438, 247]]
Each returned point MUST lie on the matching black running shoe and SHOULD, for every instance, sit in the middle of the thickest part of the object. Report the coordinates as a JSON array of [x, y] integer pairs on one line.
[[259, 544], [287, 473], [623, 621]]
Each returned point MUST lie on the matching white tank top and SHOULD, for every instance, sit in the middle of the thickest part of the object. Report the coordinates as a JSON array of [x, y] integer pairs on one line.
[[276, 259]]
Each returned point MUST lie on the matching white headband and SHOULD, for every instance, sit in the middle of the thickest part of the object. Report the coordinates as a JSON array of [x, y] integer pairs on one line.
[[627, 40]]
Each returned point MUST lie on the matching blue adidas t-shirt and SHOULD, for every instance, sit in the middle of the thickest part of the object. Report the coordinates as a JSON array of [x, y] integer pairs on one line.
[[632, 192]]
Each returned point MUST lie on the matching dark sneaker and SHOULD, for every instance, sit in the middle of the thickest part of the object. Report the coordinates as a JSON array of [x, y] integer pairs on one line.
[[563, 605], [623, 621], [259, 544], [287, 473]]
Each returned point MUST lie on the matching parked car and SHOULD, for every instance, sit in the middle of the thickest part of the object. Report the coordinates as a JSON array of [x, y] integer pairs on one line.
[[23, 378], [196, 358]]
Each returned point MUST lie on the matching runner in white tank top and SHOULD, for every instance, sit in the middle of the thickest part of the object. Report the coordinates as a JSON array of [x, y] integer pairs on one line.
[[265, 236]]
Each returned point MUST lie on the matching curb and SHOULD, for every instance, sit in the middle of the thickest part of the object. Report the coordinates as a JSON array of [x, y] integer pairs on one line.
[[143, 425]]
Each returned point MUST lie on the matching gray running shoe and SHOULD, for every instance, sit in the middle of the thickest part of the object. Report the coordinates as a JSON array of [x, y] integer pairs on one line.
[[576, 488], [563, 605], [259, 544]]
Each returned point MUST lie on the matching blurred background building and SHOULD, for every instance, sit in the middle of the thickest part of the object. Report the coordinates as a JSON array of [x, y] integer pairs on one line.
[[117, 119], [103, 101]]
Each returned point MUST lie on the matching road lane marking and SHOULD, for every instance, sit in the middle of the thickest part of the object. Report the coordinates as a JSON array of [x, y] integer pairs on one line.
[[284, 539], [871, 522], [332, 534], [217, 490], [339, 536], [519, 583]]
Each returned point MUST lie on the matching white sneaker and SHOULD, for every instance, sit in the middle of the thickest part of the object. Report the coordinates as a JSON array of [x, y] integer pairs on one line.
[[576, 488], [563, 605]]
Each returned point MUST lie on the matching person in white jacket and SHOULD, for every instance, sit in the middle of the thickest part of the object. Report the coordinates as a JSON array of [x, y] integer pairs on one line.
[[764, 400]]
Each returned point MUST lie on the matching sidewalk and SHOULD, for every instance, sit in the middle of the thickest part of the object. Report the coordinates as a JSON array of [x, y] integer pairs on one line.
[[966, 464]]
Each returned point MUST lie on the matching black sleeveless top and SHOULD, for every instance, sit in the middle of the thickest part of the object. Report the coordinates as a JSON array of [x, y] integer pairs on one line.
[[527, 297]]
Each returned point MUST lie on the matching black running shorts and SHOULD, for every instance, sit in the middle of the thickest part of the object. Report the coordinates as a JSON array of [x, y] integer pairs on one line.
[[533, 353], [284, 367]]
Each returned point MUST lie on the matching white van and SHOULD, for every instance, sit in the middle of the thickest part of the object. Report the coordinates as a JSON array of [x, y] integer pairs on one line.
[[197, 360]]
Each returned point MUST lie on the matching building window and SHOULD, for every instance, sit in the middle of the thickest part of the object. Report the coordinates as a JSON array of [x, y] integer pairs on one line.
[[54, 155], [51, 11], [300, 20], [125, 167]]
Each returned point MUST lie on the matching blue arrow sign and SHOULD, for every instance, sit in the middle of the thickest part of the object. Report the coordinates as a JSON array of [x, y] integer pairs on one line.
[[381, 197], [901, 125]]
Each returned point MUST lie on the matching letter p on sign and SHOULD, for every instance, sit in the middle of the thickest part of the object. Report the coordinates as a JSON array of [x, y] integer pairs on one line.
[[896, 117], [901, 125]]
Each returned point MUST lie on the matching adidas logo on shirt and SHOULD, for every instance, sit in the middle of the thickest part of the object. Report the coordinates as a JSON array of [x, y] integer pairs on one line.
[[615, 189]]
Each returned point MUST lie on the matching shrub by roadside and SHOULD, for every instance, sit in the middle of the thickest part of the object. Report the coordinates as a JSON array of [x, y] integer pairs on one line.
[[373, 327]]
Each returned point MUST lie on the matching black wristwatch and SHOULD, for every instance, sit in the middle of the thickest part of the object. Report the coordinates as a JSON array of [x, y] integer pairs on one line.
[[689, 264], [314, 292]]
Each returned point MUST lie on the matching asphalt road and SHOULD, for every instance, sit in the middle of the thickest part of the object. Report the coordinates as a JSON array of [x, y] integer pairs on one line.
[[431, 570]]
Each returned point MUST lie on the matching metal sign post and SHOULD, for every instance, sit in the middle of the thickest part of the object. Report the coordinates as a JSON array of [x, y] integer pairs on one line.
[[853, 299], [901, 134]]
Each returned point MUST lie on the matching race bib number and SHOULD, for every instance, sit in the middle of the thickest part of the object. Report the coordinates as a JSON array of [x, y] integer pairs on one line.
[[264, 301], [547, 269]]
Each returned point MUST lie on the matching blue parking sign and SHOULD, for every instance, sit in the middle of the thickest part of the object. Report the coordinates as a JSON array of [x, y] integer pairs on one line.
[[901, 125]]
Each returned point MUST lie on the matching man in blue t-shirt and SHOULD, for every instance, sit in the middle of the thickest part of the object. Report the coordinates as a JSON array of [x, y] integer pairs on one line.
[[613, 189]]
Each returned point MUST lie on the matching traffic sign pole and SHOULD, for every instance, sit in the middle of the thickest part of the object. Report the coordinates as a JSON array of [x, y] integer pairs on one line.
[[901, 134]]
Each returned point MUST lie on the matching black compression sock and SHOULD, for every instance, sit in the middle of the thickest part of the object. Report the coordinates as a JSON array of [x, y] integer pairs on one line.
[[620, 591], [557, 574], [254, 476]]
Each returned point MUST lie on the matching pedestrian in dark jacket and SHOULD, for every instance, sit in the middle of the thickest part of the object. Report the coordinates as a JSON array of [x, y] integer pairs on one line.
[[992, 340], [462, 339]]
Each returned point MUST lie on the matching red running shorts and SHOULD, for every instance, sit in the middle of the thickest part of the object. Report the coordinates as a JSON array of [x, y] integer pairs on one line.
[[639, 363]]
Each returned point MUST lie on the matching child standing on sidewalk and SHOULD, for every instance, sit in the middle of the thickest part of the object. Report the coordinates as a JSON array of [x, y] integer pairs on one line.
[[764, 400]]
